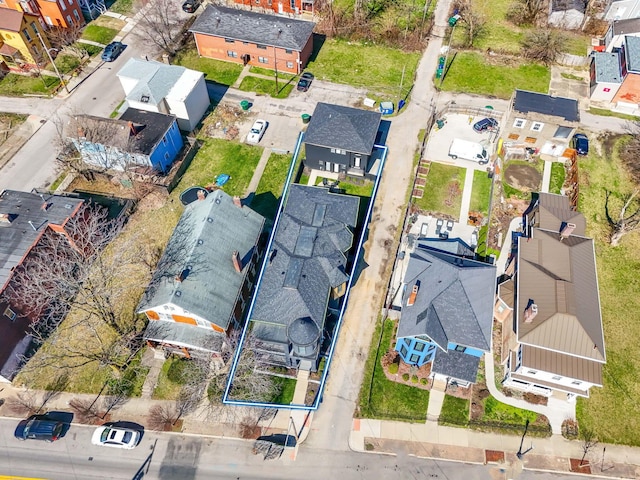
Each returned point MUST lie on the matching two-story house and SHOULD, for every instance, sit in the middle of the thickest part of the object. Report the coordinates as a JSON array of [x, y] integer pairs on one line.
[[205, 278], [54, 13], [446, 316], [305, 279], [137, 139], [280, 7], [170, 89], [341, 140], [550, 305], [22, 39], [250, 38], [24, 219]]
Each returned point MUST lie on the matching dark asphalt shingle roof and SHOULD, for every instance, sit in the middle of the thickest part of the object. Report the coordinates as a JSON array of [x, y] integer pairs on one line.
[[607, 67], [253, 27], [303, 267], [566, 108], [202, 244], [633, 53], [457, 365], [629, 26], [347, 128], [150, 127], [566, 5], [454, 301], [184, 335], [29, 221]]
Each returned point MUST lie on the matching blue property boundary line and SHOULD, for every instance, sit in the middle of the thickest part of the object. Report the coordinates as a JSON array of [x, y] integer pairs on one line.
[[316, 404]]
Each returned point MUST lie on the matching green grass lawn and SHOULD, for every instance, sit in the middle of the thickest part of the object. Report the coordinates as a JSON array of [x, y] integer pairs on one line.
[[455, 411], [263, 86], [13, 85], [613, 412], [92, 50], [271, 184], [271, 73], [225, 73], [389, 399], [67, 63], [443, 191], [217, 156], [288, 386], [557, 177], [99, 34], [373, 67], [125, 7], [166, 389], [469, 73], [608, 113], [481, 192]]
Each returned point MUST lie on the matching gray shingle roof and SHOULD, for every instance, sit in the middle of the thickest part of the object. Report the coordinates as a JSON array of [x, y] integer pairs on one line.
[[155, 79], [607, 67], [622, 27], [307, 260], [566, 108], [455, 246], [201, 246], [566, 5], [253, 27], [632, 47], [184, 335], [454, 301], [28, 221], [457, 365], [347, 128]]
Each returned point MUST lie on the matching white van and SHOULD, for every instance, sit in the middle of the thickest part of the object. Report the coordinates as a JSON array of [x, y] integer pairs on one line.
[[468, 151]]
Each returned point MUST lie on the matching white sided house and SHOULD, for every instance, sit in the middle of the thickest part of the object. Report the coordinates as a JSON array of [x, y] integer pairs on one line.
[[157, 87]]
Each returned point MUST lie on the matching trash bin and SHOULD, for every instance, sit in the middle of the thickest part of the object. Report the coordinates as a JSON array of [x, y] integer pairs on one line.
[[244, 104], [305, 118]]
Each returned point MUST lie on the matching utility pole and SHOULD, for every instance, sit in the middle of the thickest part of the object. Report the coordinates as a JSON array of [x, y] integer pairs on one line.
[[52, 62], [520, 453]]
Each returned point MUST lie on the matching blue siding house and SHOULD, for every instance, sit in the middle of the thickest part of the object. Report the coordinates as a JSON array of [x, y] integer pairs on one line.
[[137, 139], [447, 310]]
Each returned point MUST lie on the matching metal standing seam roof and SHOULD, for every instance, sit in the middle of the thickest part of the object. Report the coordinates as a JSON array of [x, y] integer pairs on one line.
[[607, 67], [561, 364], [297, 280], [560, 278], [526, 102], [201, 249], [454, 301], [253, 27], [554, 210], [29, 221], [632, 51], [156, 80], [347, 128]]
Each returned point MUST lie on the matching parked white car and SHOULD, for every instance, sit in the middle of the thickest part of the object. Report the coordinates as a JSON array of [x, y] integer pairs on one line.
[[257, 131], [115, 437]]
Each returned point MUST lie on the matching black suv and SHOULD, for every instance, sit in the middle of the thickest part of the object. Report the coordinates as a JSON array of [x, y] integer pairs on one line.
[[39, 427], [485, 124], [190, 6]]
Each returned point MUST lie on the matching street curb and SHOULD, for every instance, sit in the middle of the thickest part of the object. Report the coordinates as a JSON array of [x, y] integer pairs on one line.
[[39, 126], [575, 474], [468, 462]]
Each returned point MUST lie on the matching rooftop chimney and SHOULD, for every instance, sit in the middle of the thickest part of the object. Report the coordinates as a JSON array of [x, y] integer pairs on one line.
[[530, 313], [45, 206], [412, 296], [182, 275], [201, 195], [566, 229], [235, 258], [6, 218], [237, 202]]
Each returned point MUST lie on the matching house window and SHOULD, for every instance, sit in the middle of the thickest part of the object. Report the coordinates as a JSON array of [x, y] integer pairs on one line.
[[232, 54], [404, 351], [289, 52], [531, 372], [293, 5], [257, 2], [76, 14], [166, 156], [414, 358], [419, 347], [556, 377], [576, 382], [10, 314], [34, 28], [229, 40], [164, 141], [519, 123], [263, 60], [26, 34], [460, 348], [289, 64], [563, 132], [338, 151], [269, 2], [537, 126], [64, 7], [261, 47], [69, 21], [48, 20]]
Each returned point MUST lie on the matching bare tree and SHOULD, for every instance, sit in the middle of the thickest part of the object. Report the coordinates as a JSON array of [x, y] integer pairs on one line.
[[544, 45], [589, 442], [23, 403], [630, 151], [162, 416], [528, 12], [628, 218], [86, 411], [473, 19], [64, 39], [159, 24]]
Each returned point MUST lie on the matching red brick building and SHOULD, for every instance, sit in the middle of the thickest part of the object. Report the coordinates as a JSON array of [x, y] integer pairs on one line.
[[250, 38], [56, 13], [281, 7]]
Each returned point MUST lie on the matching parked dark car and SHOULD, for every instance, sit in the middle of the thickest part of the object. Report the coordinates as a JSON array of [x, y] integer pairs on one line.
[[190, 6], [112, 51], [485, 124], [305, 82], [580, 143], [39, 427]]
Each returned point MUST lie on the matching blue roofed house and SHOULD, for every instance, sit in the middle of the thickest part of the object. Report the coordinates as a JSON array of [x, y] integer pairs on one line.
[[304, 281], [162, 88], [447, 311], [137, 139], [204, 280]]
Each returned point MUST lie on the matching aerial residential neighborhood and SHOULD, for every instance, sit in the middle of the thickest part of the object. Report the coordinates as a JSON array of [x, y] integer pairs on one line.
[[281, 239]]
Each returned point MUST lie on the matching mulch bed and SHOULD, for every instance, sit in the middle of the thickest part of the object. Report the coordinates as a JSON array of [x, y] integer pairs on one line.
[[493, 456], [576, 468]]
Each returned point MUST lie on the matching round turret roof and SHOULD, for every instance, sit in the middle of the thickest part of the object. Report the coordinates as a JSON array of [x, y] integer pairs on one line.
[[303, 331]]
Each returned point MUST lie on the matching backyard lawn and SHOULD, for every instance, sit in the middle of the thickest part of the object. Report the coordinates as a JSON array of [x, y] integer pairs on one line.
[[269, 191], [481, 192], [225, 73], [557, 177], [469, 73], [264, 86], [382, 398], [613, 412], [373, 67], [443, 190]]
